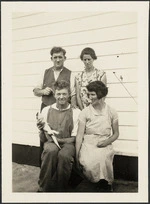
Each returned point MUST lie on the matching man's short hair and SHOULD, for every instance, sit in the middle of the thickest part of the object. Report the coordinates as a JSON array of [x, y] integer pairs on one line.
[[57, 50], [62, 84]]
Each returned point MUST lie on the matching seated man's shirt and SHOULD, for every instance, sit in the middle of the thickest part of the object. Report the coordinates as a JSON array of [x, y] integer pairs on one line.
[[64, 121]]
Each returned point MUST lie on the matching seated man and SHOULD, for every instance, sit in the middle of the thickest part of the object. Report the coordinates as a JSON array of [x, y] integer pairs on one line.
[[57, 161]]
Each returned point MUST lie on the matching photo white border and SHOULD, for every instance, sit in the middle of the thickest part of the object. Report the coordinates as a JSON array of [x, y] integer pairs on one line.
[[6, 35]]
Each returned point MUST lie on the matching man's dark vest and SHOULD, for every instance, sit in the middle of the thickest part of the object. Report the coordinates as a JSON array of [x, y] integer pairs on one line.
[[49, 81]]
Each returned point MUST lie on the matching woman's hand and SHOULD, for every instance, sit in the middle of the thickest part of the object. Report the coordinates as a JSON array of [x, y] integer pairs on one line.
[[102, 143], [110, 140]]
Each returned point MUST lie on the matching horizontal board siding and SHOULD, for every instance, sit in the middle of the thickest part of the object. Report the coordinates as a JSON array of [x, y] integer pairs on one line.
[[45, 19], [109, 48], [115, 90], [115, 43], [126, 133], [122, 104], [20, 15], [100, 35], [113, 76], [124, 61], [79, 19], [126, 147], [26, 138], [26, 103], [125, 118], [119, 77], [122, 147], [33, 103], [110, 62], [124, 76]]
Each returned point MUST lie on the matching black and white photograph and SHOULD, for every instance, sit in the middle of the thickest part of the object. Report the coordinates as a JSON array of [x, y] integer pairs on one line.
[[74, 101]]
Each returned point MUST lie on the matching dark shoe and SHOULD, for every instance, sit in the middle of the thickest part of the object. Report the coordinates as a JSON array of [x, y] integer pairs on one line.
[[103, 186], [38, 191]]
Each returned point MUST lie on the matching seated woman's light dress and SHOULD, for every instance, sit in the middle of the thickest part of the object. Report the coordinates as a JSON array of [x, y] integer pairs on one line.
[[96, 161]]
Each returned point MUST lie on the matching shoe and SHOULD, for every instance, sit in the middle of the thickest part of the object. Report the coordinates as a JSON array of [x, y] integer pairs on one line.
[[110, 188], [38, 191], [103, 186]]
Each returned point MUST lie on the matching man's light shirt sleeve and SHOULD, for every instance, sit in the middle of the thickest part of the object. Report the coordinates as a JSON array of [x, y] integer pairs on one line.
[[39, 83], [72, 84], [76, 113]]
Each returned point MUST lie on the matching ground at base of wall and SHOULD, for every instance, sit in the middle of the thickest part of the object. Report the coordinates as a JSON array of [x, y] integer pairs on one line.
[[25, 179]]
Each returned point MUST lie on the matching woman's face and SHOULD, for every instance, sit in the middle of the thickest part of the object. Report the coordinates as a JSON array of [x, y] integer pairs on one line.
[[88, 61], [93, 97]]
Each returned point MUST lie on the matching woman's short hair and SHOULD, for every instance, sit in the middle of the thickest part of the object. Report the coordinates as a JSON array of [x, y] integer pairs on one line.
[[99, 88], [62, 84], [88, 51], [57, 50]]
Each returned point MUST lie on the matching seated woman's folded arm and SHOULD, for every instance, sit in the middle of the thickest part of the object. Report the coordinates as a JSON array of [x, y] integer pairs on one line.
[[115, 135]]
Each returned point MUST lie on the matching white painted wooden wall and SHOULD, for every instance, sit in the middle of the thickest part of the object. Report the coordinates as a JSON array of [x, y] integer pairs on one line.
[[113, 35]]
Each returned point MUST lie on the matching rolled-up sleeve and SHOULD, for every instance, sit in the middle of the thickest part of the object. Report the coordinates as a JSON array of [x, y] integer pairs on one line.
[[83, 115], [76, 113], [39, 83], [114, 115], [72, 84], [45, 112]]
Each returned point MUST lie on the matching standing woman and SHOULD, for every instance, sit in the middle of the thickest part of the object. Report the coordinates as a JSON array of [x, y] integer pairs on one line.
[[89, 74], [97, 130]]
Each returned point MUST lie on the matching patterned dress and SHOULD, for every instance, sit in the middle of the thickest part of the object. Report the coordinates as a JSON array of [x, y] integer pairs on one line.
[[96, 161], [83, 80]]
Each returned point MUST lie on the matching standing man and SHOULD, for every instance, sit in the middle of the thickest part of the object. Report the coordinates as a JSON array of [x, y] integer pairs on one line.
[[58, 72], [45, 88], [57, 163]]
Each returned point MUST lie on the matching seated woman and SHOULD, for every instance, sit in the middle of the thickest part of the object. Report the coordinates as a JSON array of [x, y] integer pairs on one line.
[[98, 128]]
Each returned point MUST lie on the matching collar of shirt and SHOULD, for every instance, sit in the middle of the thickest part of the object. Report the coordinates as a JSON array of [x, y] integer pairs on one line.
[[103, 111], [59, 70], [84, 71], [55, 107]]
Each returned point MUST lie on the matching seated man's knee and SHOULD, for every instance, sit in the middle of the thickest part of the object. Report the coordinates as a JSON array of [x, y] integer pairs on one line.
[[50, 148], [64, 156]]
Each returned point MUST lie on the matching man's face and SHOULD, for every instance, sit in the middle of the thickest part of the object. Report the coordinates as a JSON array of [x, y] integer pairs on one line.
[[58, 59], [62, 96]]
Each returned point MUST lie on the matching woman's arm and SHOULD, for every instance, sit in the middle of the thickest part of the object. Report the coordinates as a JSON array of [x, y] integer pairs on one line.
[[74, 101], [79, 138], [73, 91], [79, 102], [104, 79], [115, 135]]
